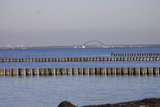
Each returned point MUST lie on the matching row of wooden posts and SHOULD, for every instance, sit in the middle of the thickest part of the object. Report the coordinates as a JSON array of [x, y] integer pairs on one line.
[[135, 54], [71, 59], [79, 71]]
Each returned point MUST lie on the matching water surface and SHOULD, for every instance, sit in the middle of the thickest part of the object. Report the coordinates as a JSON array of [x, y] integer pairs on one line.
[[49, 91]]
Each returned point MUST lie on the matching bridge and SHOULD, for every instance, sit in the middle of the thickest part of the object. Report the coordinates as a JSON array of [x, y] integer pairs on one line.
[[93, 44]]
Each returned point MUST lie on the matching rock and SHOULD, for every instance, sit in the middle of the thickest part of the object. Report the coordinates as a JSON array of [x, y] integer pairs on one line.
[[66, 104], [150, 102]]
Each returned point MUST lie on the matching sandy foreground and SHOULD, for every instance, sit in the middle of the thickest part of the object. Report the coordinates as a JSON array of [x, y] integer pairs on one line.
[[150, 102]]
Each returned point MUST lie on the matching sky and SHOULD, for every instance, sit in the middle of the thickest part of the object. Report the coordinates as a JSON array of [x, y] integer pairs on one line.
[[74, 22]]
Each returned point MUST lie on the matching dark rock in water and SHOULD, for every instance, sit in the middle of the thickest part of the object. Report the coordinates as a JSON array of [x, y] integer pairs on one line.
[[150, 102], [66, 104]]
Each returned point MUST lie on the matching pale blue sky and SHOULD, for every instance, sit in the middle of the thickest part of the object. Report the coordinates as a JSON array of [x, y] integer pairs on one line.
[[67, 22]]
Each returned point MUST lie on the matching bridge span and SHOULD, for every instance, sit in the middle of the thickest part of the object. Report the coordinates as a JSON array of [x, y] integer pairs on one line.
[[93, 44]]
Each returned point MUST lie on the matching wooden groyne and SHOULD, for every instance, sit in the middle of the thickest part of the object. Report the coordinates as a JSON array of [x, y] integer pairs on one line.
[[135, 54], [79, 71], [79, 59]]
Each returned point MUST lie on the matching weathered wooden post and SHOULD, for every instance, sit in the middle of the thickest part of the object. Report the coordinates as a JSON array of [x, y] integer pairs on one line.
[[63, 71], [1, 72], [28, 71], [115, 59], [21, 72], [118, 71], [57, 71], [113, 71], [7, 72], [69, 59], [0, 60], [53, 59], [72, 59], [91, 71], [149, 71], [46, 72], [101, 59], [49, 59], [142, 71], [33, 59], [75, 59], [74, 71], [129, 71], [85, 71], [79, 71], [78, 59], [97, 71], [46, 59], [3, 60], [102, 71], [36, 59], [17, 60], [34, 71], [105, 59], [41, 71], [51, 71], [43, 59], [108, 71], [68, 71], [155, 70], [81, 59], [135, 71], [124, 71]]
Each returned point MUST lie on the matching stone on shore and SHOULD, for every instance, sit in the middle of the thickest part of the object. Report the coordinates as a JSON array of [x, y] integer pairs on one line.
[[150, 102], [66, 104]]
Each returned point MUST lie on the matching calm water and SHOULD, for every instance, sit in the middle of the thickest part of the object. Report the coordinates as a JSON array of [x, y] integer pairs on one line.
[[49, 91]]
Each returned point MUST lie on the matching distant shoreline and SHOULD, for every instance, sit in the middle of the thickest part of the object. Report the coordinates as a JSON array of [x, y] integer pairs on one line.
[[88, 46]]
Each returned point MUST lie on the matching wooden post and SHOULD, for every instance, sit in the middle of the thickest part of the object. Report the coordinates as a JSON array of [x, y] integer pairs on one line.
[[102, 71], [57, 71], [108, 71], [118, 71], [142, 71], [68, 71], [91, 71], [28, 72], [46, 72], [7, 72], [129, 71], [51, 71], [113, 71], [74, 71], [85, 71], [21, 72], [79, 71], [34, 71], [63, 71], [1, 72], [149, 71], [155, 70], [97, 71], [41, 71], [135, 71]]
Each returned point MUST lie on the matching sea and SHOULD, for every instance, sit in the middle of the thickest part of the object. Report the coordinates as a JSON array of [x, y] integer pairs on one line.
[[50, 91]]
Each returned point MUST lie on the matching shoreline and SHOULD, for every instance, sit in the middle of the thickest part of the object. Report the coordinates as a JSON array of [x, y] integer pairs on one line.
[[81, 46], [148, 102]]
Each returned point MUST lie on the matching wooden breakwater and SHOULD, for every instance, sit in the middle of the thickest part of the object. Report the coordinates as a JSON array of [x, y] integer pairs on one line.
[[135, 54], [79, 71], [79, 59]]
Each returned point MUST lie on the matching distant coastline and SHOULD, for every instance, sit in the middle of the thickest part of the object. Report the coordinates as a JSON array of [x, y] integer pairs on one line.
[[81, 46]]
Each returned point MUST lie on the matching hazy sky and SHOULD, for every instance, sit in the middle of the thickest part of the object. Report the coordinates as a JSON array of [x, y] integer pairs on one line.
[[67, 22]]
